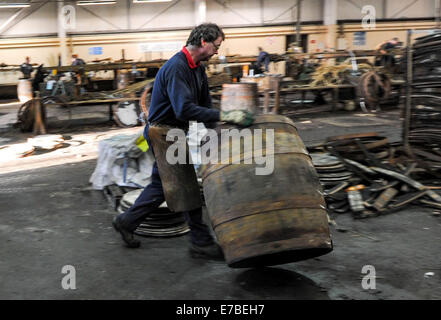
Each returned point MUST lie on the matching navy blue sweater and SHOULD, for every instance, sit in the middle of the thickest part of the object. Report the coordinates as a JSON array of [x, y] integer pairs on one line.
[[180, 94]]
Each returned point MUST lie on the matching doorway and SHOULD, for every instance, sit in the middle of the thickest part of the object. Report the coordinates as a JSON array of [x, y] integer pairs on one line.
[[303, 41]]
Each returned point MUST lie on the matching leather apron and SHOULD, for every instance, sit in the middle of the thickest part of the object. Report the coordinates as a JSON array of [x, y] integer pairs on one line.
[[179, 181]]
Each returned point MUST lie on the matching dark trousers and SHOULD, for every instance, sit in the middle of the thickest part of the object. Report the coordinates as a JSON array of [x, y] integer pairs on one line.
[[385, 61], [151, 198], [265, 60]]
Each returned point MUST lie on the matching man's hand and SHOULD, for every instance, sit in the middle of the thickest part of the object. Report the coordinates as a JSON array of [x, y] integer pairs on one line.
[[242, 118]]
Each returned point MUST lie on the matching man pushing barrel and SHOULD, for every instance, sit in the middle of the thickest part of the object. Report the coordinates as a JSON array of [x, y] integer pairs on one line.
[[180, 94]]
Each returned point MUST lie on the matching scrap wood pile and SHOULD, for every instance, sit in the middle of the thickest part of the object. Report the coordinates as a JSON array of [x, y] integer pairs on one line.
[[160, 223], [97, 96], [366, 175], [130, 90], [425, 113], [335, 75], [371, 86], [218, 79]]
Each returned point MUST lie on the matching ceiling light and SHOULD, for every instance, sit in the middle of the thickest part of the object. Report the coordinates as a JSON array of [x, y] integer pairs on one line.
[[94, 2], [15, 5], [150, 1]]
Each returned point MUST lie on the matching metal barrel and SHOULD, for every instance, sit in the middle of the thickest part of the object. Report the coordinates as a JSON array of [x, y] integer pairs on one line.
[[272, 219], [239, 96], [24, 90]]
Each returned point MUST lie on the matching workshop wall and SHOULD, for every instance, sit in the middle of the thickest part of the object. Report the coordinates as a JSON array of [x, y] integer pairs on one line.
[[239, 41], [385, 31], [352, 9], [255, 12], [135, 17], [113, 28], [40, 19]]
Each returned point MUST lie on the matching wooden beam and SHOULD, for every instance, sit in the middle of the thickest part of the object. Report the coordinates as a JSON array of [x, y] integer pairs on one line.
[[106, 66]]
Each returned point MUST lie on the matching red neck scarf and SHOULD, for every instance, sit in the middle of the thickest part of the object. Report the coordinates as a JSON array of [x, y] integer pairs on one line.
[[189, 58]]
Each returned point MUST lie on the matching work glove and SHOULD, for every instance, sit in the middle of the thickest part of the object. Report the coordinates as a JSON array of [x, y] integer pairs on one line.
[[242, 118]]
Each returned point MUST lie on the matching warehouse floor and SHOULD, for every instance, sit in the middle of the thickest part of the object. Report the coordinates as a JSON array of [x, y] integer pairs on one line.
[[50, 217]]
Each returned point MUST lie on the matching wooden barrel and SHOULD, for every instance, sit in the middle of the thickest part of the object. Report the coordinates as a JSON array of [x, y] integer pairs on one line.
[[239, 96], [263, 220], [123, 79], [24, 90]]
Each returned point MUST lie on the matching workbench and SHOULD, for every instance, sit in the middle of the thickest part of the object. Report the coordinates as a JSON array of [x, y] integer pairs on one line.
[[39, 121], [126, 94], [289, 87], [286, 89]]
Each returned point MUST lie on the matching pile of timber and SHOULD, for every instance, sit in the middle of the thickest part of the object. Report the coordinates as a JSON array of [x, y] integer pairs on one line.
[[383, 178], [218, 79], [160, 223], [425, 113], [328, 76]]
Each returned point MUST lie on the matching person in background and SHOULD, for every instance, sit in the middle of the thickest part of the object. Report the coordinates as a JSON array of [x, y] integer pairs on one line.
[[77, 61], [80, 76], [384, 57], [180, 94], [263, 58], [26, 68], [39, 76]]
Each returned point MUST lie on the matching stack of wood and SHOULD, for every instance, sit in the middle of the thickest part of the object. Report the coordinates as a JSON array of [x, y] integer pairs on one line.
[[329, 76], [425, 113], [383, 177], [218, 79], [160, 223], [330, 169]]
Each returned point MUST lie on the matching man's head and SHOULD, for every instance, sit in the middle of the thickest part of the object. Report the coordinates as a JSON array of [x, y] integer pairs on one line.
[[260, 49], [206, 38], [394, 40], [28, 59]]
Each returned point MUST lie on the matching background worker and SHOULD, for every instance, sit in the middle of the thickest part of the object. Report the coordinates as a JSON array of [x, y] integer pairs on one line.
[[384, 56], [26, 68], [263, 58], [80, 76], [180, 94], [76, 61]]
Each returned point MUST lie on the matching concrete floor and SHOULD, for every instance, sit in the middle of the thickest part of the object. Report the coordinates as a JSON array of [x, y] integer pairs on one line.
[[50, 217]]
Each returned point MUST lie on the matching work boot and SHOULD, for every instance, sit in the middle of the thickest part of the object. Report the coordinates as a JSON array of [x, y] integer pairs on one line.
[[211, 251], [126, 235]]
